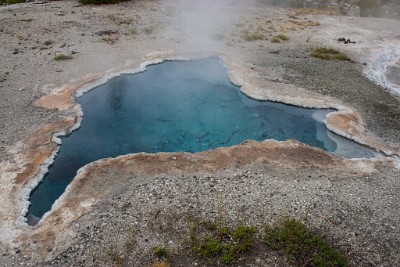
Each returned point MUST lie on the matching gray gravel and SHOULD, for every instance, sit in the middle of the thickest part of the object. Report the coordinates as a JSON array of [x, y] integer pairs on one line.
[[356, 214]]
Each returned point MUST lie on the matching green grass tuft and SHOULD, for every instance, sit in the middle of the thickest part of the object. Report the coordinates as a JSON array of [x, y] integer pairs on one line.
[[329, 54], [26, 20], [11, 2], [222, 242], [211, 246], [301, 246], [62, 57], [160, 252], [134, 31]]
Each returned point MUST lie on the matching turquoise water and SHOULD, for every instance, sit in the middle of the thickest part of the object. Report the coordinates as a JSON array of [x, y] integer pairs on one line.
[[173, 106]]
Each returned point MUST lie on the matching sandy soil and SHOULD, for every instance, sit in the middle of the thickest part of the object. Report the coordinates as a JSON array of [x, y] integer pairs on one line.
[[353, 202]]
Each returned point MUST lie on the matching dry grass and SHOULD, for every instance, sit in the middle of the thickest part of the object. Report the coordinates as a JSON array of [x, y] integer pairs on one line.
[[304, 23], [283, 37], [275, 40], [118, 19], [287, 27], [329, 54], [279, 38], [252, 35], [111, 39], [306, 11]]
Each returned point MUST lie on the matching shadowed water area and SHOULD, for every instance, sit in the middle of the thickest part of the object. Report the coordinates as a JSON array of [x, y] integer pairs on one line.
[[174, 106]]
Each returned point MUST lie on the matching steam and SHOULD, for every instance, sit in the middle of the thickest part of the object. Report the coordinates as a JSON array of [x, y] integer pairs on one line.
[[204, 24]]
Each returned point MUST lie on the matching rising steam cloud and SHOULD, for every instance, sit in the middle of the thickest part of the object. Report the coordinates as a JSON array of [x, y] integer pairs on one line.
[[203, 23]]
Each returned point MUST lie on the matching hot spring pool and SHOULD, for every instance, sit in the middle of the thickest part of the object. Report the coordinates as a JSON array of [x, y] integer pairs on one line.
[[174, 106]]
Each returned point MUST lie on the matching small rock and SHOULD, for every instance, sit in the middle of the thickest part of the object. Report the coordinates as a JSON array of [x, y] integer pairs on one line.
[[16, 51]]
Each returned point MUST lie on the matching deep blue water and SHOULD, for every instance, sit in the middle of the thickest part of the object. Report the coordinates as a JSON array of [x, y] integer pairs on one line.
[[174, 106]]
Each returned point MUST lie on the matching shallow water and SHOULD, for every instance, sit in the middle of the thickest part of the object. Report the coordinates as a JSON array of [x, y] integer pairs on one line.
[[174, 106]]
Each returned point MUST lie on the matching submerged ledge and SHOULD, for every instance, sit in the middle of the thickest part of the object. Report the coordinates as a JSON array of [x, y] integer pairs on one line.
[[41, 149]]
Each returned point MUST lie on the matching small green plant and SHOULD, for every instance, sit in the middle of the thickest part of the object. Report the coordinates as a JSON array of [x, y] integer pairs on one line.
[[160, 252], [329, 54], [229, 255], [301, 245], [209, 247], [148, 30], [134, 31], [244, 235], [11, 2], [2, 79], [222, 242], [61, 57], [26, 20]]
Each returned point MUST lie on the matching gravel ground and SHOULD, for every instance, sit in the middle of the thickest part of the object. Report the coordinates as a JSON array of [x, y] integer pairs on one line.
[[356, 211], [361, 225]]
